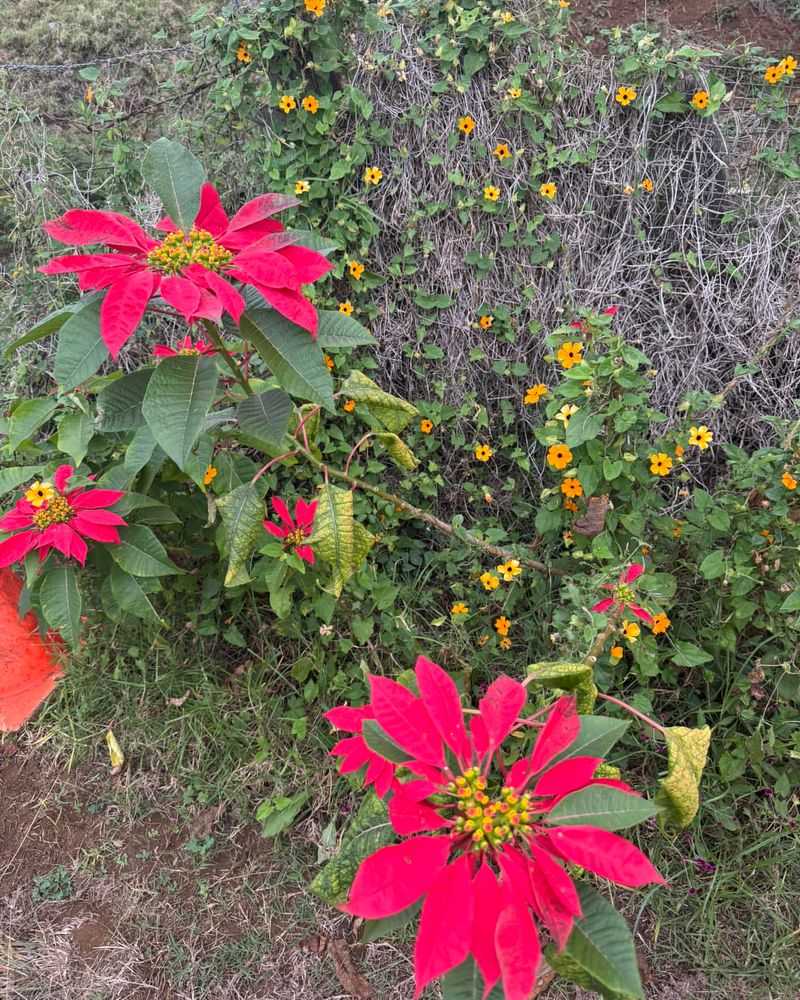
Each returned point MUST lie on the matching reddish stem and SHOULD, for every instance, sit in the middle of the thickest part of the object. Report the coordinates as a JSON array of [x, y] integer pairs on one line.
[[272, 461], [628, 708]]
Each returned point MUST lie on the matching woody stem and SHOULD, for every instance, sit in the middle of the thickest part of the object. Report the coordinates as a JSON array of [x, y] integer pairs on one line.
[[599, 644], [217, 341]]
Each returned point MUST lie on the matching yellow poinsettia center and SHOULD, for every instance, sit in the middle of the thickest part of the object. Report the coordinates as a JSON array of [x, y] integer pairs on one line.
[[296, 537], [179, 249], [624, 594], [489, 822], [57, 511]]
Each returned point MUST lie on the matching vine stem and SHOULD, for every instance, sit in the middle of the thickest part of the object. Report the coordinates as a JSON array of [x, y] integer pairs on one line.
[[434, 522], [355, 448], [633, 711], [599, 644], [217, 341], [268, 466]]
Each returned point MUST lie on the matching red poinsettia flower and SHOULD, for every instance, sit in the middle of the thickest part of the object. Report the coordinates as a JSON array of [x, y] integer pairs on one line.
[[60, 519], [623, 595], [479, 846], [611, 311], [356, 753], [190, 271], [29, 666], [187, 347], [293, 531]]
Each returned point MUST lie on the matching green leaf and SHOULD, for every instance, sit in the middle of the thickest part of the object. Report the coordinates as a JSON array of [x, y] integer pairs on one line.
[[377, 740], [291, 355], [74, 434], [337, 331], [673, 103], [10, 479], [577, 677], [314, 241], [140, 450], [50, 324], [713, 566], [600, 954], [369, 831], [129, 594], [265, 416], [27, 418], [141, 554], [242, 515], [597, 736], [792, 602], [602, 806], [374, 930], [81, 349], [178, 397], [465, 982], [119, 405], [679, 792], [176, 176], [61, 602], [398, 450], [337, 538], [389, 412], [583, 426], [277, 815], [689, 655]]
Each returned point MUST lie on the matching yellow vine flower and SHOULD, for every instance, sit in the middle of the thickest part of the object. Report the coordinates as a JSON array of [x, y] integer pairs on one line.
[[39, 494], [535, 394], [647, 185], [789, 64], [356, 269], [787, 479], [489, 581], [660, 463], [616, 652], [680, 451], [243, 53], [459, 608], [483, 452], [660, 623], [301, 187], [570, 353], [631, 631], [485, 322], [567, 411], [700, 100], [287, 103], [310, 104], [426, 426], [349, 405], [466, 124], [514, 93], [88, 94], [373, 175], [502, 151], [505, 643], [508, 570], [491, 193], [482, 640], [774, 74], [563, 4], [625, 95], [329, 362], [346, 308], [315, 7], [677, 529], [502, 625], [571, 487], [559, 456], [507, 17], [701, 437], [210, 475], [548, 191], [571, 506]]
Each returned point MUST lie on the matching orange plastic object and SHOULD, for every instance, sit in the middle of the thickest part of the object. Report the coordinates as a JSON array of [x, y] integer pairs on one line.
[[29, 666]]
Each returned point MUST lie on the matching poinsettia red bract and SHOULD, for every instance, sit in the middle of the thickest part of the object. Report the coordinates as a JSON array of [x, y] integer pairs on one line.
[[295, 529], [478, 846], [62, 522], [623, 595], [190, 271], [186, 348]]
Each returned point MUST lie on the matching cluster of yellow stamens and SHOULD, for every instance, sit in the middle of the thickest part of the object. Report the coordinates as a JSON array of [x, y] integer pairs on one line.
[[489, 822], [296, 537], [623, 594], [57, 511], [178, 250]]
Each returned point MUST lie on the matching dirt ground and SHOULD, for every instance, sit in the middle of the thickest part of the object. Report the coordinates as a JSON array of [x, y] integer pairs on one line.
[[757, 22]]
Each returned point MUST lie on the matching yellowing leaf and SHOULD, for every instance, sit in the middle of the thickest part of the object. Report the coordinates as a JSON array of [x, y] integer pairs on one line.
[[337, 538], [242, 513], [398, 451], [114, 752], [386, 411], [577, 677], [679, 794]]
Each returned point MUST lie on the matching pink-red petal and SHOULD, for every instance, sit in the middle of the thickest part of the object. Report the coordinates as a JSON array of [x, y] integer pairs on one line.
[[632, 573], [62, 476], [396, 876], [306, 553], [309, 266], [347, 717], [555, 895], [230, 299], [92, 499], [405, 720], [304, 513], [500, 708], [211, 216], [518, 951], [15, 548], [260, 208], [123, 308], [602, 606], [567, 776], [280, 508], [604, 853], [408, 815], [445, 926], [443, 704], [293, 306], [640, 613], [560, 730], [488, 904], [180, 293]]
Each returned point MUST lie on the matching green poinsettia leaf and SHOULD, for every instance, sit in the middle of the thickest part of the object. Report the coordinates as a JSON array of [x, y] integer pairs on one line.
[[384, 411], [679, 792], [337, 537]]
